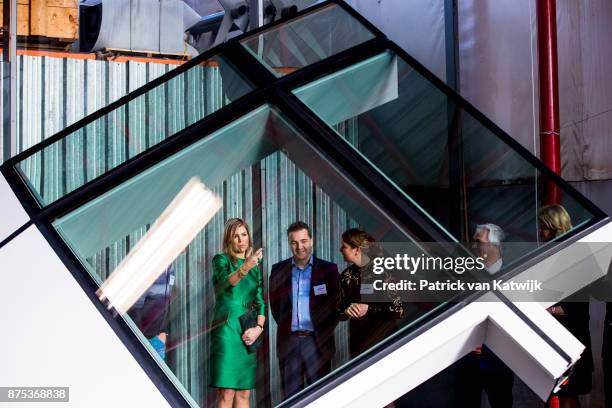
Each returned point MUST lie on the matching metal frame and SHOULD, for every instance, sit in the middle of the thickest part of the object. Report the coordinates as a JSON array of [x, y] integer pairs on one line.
[[261, 77], [9, 61], [119, 326], [501, 134], [451, 26], [15, 233], [493, 324], [277, 92]]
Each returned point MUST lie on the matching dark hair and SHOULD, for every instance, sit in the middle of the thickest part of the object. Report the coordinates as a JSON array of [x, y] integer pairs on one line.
[[298, 226], [357, 238]]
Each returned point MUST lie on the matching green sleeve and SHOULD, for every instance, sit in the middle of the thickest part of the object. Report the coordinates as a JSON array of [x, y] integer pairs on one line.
[[259, 298], [221, 271]]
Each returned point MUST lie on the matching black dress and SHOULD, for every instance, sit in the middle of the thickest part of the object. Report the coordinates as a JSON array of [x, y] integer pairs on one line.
[[378, 323], [576, 320]]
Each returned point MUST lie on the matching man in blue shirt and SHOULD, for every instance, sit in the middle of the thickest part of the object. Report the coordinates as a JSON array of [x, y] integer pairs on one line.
[[303, 294]]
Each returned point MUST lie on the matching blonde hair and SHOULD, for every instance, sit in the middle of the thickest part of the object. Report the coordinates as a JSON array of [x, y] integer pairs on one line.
[[555, 219], [230, 228]]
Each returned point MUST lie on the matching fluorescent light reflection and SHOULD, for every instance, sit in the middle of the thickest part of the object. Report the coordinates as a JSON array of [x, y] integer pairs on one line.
[[188, 213]]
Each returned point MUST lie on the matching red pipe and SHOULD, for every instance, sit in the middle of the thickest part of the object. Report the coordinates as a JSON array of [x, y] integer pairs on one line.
[[550, 142]]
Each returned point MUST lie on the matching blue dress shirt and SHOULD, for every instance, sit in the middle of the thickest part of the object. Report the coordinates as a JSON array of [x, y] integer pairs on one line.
[[300, 287]]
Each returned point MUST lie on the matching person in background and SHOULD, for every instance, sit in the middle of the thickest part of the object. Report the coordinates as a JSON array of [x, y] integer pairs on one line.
[[553, 221], [487, 243], [238, 285], [150, 312], [482, 369], [303, 294], [370, 322]]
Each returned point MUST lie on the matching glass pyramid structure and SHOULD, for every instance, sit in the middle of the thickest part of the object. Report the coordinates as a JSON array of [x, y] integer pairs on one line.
[[318, 118]]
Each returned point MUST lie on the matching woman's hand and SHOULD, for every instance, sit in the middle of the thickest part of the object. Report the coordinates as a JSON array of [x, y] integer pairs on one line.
[[357, 310], [556, 311], [250, 335], [252, 259]]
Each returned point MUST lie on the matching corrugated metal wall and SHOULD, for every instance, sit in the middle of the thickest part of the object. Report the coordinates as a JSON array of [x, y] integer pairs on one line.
[[287, 195], [54, 92], [50, 99], [498, 68]]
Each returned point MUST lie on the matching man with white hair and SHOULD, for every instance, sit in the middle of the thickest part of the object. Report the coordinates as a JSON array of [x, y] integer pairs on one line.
[[487, 244], [482, 369]]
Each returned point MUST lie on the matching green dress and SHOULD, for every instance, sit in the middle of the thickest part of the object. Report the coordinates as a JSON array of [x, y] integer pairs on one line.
[[231, 365]]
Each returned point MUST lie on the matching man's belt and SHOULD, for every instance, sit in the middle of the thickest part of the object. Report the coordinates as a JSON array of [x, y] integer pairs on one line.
[[301, 333]]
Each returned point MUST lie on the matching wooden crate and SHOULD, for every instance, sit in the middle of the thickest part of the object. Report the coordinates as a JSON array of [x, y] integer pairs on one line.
[[47, 18], [23, 16]]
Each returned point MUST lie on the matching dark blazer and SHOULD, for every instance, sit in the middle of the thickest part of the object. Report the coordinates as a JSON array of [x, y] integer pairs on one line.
[[322, 307]]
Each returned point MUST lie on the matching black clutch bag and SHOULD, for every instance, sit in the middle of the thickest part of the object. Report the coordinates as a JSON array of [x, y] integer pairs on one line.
[[248, 321]]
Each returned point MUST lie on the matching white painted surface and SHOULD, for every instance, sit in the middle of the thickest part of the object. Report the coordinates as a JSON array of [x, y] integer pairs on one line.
[[527, 354], [541, 317], [411, 364], [491, 323], [12, 213], [54, 336], [569, 269], [603, 234]]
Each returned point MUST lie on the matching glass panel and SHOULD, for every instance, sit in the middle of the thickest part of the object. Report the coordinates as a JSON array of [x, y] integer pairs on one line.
[[75, 28], [263, 170], [477, 376], [132, 128], [455, 168], [306, 40], [5, 138]]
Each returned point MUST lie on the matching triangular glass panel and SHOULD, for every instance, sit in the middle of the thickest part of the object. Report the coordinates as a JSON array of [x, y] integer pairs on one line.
[[307, 39], [459, 170], [369, 140], [120, 132]]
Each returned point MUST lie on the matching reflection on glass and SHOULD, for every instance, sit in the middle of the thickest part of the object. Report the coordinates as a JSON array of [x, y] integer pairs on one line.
[[130, 129], [270, 177], [177, 225], [455, 168], [478, 374], [70, 26], [306, 40]]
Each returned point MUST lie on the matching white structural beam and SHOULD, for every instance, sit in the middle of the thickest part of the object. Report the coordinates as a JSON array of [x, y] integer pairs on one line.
[[523, 349], [524, 335], [529, 355], [13, 214], [568, 270], [55, 337]]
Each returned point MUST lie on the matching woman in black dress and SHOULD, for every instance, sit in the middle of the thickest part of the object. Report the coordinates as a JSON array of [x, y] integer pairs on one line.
[[370, 322], [553, 221]]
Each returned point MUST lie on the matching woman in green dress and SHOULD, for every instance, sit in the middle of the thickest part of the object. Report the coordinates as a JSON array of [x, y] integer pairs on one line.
[[237, 281]]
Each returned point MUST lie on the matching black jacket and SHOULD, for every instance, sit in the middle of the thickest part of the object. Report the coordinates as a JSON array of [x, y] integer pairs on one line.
[[380, 321], [322, 307]]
